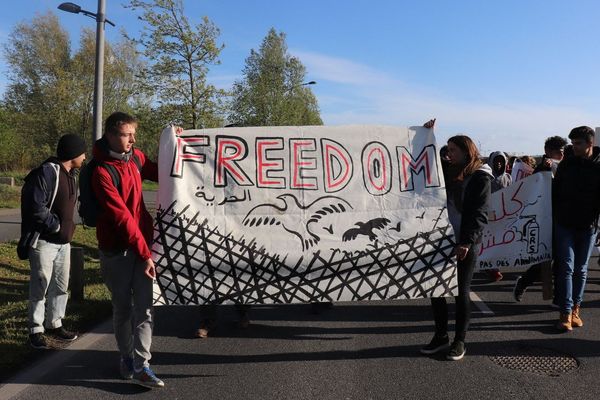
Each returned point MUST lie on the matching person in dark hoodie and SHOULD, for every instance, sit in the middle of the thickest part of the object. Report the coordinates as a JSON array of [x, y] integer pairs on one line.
[[576, 208], [124, 230], [468, 191], [48, 202]]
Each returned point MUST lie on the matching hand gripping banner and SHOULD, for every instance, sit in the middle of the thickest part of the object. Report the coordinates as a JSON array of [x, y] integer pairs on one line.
[[301, 214]]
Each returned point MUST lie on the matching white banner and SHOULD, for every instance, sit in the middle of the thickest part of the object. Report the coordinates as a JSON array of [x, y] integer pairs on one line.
[[300, 214], [519, 232], [520, 170]]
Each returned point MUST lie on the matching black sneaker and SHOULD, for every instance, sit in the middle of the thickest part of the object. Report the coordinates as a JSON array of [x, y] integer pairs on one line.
[[62, 334], [38, 341], [457, 351], [519, 289], [318, 307], [126, 368], [438, 343]]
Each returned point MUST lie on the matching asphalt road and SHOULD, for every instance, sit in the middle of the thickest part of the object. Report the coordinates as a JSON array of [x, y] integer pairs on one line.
[[359, 351], [366, 350], [10, 224]]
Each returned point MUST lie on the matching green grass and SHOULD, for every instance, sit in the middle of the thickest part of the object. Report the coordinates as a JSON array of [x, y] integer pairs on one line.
[[149, 185], [14, 286], [10, 196]]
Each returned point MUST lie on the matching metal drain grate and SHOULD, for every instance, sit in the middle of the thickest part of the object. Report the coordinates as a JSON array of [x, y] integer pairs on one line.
[[537, 360]]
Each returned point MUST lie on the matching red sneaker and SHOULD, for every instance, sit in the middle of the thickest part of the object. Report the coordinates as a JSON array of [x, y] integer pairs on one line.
[[495, 275]]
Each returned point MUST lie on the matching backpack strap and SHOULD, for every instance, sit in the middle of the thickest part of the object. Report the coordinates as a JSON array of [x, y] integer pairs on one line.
[[137, 161], [114, 174]]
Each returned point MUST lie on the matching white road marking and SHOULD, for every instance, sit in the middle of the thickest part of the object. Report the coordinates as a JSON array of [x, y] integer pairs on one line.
[[480, 304]]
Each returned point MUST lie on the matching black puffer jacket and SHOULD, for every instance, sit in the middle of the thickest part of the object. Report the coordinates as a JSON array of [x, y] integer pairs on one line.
[[576, 192], [472, 200]]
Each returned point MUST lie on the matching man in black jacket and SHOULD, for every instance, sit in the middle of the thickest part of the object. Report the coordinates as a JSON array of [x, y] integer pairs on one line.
[[48, 202], [576, 207]]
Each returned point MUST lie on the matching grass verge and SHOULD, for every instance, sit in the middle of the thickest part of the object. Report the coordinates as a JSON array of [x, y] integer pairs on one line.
[[149, 185], [10, 196], [14, 287]]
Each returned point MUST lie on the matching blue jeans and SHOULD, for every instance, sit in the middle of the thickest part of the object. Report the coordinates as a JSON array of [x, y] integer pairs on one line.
[[572, 252], [50, 266]]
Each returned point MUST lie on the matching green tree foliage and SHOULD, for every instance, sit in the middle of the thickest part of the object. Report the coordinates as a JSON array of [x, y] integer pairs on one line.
[[121, 91], [178, 56], [271, 92], [38, 55], [11, 143], [50, 90], [152, 119]]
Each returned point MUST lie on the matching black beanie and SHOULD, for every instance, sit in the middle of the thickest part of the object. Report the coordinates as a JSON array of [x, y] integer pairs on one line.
[[70, 146]]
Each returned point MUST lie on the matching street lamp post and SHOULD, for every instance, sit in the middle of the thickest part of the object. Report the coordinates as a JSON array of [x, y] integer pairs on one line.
[[99, 67]]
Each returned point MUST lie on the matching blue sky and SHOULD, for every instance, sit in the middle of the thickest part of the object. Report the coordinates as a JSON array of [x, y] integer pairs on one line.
[[508, 73]]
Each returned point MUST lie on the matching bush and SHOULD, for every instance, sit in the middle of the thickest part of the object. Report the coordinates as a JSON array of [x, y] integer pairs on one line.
[[10, 196]]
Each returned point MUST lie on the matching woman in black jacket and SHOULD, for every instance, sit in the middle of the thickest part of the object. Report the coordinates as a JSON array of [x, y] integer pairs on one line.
[[468, 191]]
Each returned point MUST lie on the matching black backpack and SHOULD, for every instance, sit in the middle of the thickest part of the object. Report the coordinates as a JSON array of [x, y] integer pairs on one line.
[[89, 208]]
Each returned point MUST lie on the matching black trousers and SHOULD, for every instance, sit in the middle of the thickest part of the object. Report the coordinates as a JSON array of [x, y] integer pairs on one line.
[[463, 301], [532, 275]]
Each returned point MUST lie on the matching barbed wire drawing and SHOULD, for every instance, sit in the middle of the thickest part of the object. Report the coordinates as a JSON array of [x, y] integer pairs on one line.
[[199, 264]]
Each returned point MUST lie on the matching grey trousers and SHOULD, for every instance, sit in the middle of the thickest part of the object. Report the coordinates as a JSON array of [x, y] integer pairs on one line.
[[133, 315]]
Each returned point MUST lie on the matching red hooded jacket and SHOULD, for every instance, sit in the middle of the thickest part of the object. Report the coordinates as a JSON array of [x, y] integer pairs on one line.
[[123, 222]]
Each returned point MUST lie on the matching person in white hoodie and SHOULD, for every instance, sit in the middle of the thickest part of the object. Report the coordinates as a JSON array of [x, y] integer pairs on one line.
[[497, 161]]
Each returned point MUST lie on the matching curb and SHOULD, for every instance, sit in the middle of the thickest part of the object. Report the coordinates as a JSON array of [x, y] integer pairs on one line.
[[33, 374]]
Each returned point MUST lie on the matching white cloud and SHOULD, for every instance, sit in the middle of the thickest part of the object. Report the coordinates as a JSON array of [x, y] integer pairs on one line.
[[369, 96], [340, 70]]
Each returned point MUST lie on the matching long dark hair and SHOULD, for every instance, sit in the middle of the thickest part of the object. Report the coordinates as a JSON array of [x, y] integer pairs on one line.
[[472, 158]]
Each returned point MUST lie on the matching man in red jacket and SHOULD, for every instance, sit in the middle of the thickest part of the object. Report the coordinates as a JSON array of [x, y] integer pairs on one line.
[[124, 231]]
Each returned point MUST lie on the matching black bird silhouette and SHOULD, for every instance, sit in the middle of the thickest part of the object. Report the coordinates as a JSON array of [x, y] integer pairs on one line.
[[329, 228], [266, 215], [365, 228], [439, 218], [422, 215], [398, 227]]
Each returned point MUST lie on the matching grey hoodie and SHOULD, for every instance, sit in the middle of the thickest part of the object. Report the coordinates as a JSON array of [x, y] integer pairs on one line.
[[501, 179]]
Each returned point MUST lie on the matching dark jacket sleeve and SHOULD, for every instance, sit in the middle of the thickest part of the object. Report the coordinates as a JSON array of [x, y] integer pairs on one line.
[[38, 196], [541, 167], [475, 208]]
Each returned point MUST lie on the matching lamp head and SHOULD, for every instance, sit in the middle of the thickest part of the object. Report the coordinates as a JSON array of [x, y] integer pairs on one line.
[[70, 7]]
